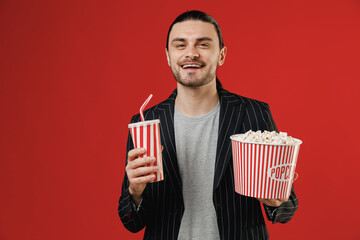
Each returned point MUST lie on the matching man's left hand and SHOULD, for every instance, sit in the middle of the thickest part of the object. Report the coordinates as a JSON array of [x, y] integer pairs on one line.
[[276, 202], [273, 202]]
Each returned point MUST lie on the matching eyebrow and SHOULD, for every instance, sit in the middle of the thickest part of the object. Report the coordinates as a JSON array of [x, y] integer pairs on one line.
[[178, 40], [198, 39], [204, 39]]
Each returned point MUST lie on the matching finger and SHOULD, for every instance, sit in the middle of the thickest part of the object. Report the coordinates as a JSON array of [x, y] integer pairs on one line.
[[139, 162], [295, 176], [274, 203], [282, 200], [143, 179], [136, 152], [162, 148], [271, 202], [143, 171], [263, 200]]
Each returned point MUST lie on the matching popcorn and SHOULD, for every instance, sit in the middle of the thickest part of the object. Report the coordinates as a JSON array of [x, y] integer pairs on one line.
[[266, 137]]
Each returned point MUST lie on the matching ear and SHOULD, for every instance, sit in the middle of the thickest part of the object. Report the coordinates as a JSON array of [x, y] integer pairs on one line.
[[223, 52], [167, 56]]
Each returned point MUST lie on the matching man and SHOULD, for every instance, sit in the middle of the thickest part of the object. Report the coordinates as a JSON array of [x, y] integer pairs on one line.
[[196, 199]]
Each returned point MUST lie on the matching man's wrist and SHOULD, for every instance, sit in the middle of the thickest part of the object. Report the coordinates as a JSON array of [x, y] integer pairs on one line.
[[136, 207], [136, 198]]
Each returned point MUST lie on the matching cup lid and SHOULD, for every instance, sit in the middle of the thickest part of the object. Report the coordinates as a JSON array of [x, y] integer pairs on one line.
[[144, 123]]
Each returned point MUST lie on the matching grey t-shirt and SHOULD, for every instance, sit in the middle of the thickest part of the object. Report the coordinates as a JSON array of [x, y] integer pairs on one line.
[[196, 140]]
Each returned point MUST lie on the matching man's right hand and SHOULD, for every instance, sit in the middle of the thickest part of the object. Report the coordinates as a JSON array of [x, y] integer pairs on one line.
[[139, 173]]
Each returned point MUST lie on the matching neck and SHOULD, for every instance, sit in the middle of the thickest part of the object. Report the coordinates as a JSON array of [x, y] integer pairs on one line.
[[196, 101]]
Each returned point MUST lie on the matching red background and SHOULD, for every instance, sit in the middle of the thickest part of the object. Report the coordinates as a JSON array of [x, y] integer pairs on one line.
[[73, 73]]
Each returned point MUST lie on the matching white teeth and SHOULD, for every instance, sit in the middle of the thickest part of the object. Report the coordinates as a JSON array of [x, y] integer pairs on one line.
[[191, 65]]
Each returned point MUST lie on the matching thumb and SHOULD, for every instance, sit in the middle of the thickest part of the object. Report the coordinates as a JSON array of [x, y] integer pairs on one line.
[[295, 176]]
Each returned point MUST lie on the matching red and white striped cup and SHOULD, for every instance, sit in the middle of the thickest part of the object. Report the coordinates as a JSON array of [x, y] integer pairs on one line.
[[146, 135], [264, 170]]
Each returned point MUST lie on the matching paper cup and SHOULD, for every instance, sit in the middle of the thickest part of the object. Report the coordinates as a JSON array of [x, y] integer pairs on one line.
[[147, 135], [264, 170]]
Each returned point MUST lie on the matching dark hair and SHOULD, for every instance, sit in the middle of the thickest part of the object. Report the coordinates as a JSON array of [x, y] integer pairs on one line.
[[197, 15]]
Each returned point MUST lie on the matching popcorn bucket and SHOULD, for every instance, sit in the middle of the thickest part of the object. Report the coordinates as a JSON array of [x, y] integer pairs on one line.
[[264, 170], [146, 135]]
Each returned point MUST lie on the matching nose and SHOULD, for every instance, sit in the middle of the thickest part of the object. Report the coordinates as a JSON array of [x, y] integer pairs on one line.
[[192, 53]]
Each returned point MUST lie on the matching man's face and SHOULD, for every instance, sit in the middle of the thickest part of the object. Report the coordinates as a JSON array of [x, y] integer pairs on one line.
[[193, 53]]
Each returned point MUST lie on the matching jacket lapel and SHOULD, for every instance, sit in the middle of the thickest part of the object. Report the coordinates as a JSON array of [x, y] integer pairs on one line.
[[232, 111], [165, 112]]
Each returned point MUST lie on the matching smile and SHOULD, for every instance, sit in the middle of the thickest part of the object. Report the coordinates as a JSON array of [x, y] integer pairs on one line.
[[191, 65]]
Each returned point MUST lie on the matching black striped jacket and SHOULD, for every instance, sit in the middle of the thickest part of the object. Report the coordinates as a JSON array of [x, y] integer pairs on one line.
[[238, 217]]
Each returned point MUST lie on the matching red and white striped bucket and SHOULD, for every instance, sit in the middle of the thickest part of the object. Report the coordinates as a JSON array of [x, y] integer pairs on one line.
[[264, 170], [147, 135]]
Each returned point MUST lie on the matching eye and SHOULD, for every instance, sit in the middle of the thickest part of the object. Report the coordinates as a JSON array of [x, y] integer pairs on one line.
[[204, 45], [180, 45]]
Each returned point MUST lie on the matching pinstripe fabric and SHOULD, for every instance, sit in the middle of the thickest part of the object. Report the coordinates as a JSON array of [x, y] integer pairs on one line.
[[238, 217]]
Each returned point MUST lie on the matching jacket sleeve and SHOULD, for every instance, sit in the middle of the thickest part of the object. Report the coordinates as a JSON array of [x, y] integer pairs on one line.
[[285, 211], [133, 219]]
